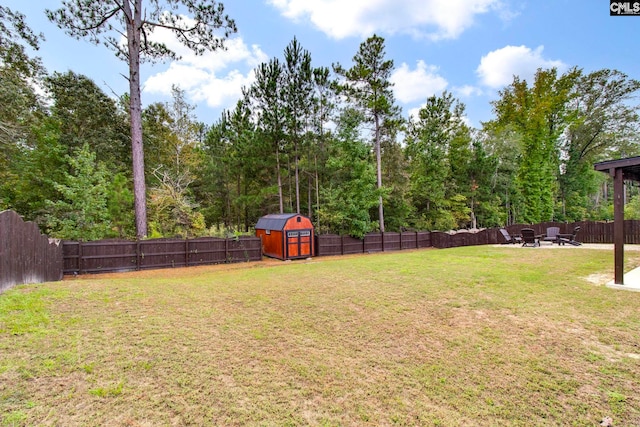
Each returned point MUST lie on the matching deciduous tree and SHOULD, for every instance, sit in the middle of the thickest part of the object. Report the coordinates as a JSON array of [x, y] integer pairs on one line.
[[539, 114], [604, 125]]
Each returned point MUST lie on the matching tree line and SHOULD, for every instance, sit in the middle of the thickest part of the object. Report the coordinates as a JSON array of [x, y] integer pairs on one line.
[[329, 142]]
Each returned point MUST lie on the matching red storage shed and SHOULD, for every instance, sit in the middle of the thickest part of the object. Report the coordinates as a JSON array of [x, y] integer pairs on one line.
[[286, 236]]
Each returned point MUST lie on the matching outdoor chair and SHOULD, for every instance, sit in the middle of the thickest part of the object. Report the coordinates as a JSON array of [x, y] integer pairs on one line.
[[509, 239], [569, 238], [529, 237], [552, 234]]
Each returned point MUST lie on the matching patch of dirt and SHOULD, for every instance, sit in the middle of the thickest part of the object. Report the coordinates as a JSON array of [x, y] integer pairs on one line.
[[599, 279]]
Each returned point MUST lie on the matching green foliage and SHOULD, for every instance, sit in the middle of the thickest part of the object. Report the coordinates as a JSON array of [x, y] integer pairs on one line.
[[176, 159], [15, 36], [604, 125], [236, 179], [367, 87], [632, 209], [485, 208], [438, 154], [94, 21], [540, 115], [298, 99], [265, 96], [351, 191], [397, 202], [86, 115], [32, 171], [120, 206], [20, 106], [172, 211], [81, 213]]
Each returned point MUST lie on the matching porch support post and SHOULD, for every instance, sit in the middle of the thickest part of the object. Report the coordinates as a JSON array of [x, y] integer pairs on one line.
[[618, 225]]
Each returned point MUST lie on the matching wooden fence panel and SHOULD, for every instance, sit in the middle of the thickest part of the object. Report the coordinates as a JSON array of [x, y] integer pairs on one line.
[[244, 249], [424, 239], [632, 232], [162, 253], [104, 256], [409, 240], [333, 244], [391, 241], [373, 242], [328, 244], [440, 240], [99, 256], [71, 259], [206, 250], [26, 255], [351, 245]]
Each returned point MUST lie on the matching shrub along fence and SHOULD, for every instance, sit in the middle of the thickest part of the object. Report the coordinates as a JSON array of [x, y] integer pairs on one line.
[[26, 255], [104, 256]]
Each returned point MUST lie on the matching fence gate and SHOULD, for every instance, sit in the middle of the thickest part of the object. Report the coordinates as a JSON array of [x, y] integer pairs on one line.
[[299, 244]]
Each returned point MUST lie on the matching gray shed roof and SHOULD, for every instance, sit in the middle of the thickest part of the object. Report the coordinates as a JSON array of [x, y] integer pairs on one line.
[[274, 221]]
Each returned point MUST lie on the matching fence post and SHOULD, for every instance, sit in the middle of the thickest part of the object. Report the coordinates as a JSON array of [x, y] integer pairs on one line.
[[80, 256], [138, 254], [186, 251]]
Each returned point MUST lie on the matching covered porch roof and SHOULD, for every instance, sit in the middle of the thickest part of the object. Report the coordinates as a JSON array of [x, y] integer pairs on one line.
[[630, 167], [620, 170]]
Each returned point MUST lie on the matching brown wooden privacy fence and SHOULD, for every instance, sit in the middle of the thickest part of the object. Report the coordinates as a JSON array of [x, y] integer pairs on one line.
[[590, 232], [26, 255], [104, 256], [333, 244]]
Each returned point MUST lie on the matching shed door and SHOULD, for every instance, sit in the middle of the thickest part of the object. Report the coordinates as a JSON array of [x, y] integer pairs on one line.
[[299, 243]]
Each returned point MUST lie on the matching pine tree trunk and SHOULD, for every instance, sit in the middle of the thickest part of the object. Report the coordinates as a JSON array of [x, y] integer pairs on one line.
[[379, 168], [297, 181], [279, 181], [137, 150]]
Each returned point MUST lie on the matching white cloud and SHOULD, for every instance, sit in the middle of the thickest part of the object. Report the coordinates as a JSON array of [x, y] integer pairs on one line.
[[419, 84], [467, 91], [498, 67], [434, 19], [414, 113], [215, 78]]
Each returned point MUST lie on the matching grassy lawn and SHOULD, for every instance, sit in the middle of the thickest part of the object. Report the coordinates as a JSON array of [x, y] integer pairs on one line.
[[476, 336]]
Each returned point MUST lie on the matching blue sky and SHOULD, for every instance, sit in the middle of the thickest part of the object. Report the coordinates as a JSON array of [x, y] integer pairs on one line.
[[472, 48]]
